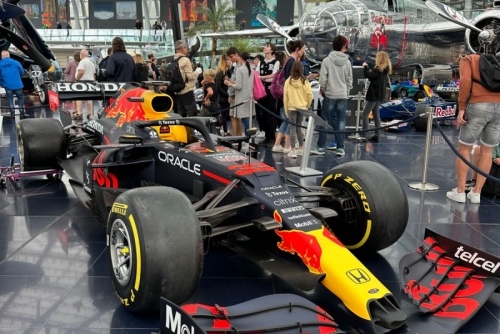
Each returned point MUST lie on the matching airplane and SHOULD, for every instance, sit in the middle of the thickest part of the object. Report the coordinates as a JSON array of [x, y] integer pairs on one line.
[[416, 38]]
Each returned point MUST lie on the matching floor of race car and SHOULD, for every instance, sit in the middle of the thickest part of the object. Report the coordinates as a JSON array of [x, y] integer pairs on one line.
[[53, 267]]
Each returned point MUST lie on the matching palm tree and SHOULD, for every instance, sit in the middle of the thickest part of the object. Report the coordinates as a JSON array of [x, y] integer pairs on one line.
[[219, 19]]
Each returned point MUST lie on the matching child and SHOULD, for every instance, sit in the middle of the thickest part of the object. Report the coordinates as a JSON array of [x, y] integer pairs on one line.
[[210, 96], [297, 95]]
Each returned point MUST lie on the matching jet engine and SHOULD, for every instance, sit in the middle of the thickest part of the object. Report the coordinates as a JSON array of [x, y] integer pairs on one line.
[[488, 40]]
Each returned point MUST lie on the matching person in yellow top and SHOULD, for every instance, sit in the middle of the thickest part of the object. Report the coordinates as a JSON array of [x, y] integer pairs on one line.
[[297, 94]]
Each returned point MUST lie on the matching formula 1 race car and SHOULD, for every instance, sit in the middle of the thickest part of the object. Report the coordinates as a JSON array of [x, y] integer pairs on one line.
[[399, 110], [165, 188]]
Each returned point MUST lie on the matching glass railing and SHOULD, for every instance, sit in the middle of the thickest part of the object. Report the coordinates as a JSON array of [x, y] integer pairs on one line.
[[147, 40]]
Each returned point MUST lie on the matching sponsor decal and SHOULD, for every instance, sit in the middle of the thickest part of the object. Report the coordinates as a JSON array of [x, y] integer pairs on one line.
[[358, 276], [476, 260], [229, 157], [276, 193], [153, 134], [179, 162], [448, 112], [271, 188], [305, 246], [119, 208], [293, 209], [130, 129], [285, 201], [303, 215], [67, 87], [173, 322], [94, 126], [164, 129], [306, 223]]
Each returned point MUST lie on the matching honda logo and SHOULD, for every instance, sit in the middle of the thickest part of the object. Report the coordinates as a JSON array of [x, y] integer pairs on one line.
[[358, 276]]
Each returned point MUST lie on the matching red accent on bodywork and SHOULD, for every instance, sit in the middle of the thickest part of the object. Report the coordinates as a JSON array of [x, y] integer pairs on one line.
[[245, 169], [332, 237], [108, 180], [304, 245], [216, 177], [277, 217]]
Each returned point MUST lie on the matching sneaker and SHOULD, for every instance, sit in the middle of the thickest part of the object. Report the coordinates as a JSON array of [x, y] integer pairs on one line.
[[374, 139], [474, 198], [260, 134], [287, 150], [292, 154], [317, 150], [456, 196], [340, 152], [278, 149], [299, 152], [332, 146], [361, 139], [469, 184]]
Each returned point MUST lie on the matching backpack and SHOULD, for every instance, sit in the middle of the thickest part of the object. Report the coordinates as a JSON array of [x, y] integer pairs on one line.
[[489, 69], [174, 76], [101, 68], [278, 84]]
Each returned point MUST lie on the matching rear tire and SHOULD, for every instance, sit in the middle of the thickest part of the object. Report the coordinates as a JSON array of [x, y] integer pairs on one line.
[[40, 143], [375, 214], [155, 247]]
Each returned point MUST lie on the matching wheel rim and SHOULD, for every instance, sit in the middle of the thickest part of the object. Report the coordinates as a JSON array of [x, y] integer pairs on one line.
[[352, 226], [121, 252]]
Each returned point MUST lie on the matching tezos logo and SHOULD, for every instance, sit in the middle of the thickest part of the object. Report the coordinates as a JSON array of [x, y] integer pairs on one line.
[[174, 324]]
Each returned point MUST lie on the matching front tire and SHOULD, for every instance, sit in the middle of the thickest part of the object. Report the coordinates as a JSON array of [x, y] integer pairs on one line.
[[420, 123], [40, 143], [155, 247], [374, 213]]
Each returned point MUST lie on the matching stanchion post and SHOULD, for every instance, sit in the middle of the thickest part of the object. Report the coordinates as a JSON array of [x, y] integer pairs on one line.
[[303, 170], [359, 97], [424, 185]]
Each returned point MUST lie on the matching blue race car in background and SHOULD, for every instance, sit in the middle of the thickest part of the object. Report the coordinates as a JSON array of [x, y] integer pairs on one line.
[[402, 109], [448, 91], [404, 89]]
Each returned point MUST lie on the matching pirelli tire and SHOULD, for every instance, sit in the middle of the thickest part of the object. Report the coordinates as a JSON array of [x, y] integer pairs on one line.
[[373, 213], [43, 94], [40, 143], [420, 122], [155, 247]]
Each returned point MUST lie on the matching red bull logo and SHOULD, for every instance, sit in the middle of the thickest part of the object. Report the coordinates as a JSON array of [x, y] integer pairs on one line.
[[124, 110], [448, 112], [246, 169], [305, 246]]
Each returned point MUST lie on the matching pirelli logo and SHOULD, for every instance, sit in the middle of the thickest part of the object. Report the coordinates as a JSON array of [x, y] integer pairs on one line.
[[358, 276], [119, 208]]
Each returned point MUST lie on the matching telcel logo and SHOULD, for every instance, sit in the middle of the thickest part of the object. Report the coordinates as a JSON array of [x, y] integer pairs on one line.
[[476, 260], [174, 324]]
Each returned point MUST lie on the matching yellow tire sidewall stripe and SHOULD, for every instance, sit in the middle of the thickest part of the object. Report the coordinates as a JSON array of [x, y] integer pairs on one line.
[[138, 257]]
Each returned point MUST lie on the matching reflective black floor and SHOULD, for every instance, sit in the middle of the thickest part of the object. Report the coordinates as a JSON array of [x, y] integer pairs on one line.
[[54, 273]]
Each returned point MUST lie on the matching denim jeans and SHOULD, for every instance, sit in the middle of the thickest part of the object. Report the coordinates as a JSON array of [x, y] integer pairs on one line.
[[333, 112], [285, 126], [20, 100]]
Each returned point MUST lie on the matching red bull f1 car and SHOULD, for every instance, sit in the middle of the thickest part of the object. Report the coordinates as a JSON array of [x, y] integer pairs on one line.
[[165, 188], [398, 110]]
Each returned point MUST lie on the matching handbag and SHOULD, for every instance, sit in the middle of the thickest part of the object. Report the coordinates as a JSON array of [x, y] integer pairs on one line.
[[387, 92], [258, 87]]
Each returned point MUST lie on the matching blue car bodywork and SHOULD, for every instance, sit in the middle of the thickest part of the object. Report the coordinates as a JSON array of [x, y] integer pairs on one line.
[[402, 109]]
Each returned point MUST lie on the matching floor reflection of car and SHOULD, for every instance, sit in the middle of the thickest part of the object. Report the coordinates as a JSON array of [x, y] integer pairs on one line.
[[399, 110]]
